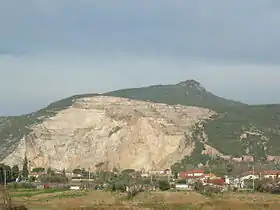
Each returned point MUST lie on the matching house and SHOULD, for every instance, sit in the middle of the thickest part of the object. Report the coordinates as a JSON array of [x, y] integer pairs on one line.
[[270, 174], [266, 174], [183, 187], [35, 174], [196, 173], [210, 176], [216, 181], [249, 176]]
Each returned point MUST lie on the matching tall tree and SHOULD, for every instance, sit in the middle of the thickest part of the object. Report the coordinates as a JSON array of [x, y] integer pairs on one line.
[[8, 173], [25, 167], [15, 172], [2, 174]]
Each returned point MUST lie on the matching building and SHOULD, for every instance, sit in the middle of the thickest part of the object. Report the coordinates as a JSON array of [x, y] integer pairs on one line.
[[216, 181], [270, 174], [196, 173], [183, 187], [266, 174]]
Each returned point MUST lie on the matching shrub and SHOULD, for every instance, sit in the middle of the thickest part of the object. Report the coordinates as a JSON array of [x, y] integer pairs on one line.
[[163, 185], [53, 178], [38, 170], [21, 185]]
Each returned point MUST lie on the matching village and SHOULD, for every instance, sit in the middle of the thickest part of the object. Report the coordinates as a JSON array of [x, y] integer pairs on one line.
[[265, 180]]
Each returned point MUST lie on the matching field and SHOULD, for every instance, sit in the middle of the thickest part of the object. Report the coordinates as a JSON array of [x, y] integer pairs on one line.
[[65, 199]]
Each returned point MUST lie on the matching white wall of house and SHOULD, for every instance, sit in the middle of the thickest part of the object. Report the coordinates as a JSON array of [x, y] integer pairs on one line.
[[250, 176], [182, 187], [195, 174], [271, 176]]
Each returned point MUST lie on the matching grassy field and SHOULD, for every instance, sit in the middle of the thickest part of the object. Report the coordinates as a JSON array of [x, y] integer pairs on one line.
[[65, 199]]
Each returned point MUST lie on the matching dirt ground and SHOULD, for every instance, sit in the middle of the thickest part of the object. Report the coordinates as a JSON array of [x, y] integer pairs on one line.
[[147, 200]]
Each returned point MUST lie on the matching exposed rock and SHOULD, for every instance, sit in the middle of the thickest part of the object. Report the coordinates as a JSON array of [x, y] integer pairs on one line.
[[126, 133]]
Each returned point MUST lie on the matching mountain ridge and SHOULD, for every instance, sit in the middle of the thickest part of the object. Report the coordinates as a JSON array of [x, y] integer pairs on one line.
[[236, 130]]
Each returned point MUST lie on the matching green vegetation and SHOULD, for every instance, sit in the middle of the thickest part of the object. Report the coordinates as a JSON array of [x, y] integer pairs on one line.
[[25, 168], [36, 192], [8, 174], [38, 170], [187, 93], [65, 195]]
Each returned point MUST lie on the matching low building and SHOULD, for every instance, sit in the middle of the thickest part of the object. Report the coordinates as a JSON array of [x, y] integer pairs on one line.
[[35, 174], [191, 173], [216, 181], [270, 174], [183, 187]]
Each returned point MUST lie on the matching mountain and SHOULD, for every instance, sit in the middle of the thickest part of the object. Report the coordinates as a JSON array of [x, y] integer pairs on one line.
[[120, 132], [237, 130], [154, 126], [189, 93], [13, 129]]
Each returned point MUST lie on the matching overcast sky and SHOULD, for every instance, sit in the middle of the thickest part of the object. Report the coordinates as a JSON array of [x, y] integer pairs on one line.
[[50, 49]]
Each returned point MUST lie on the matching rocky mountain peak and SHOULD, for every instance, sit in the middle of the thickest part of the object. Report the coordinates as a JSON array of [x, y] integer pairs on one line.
[[192, 84]]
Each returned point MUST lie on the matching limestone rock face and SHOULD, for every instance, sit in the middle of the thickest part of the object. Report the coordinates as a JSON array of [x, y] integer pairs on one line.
[[121, 132]]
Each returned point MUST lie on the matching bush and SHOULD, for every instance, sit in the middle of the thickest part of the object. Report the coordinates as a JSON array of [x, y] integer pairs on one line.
[[198, 186], [38, 170], [53, 178], [117, 186], [21, 185], [163, 185]]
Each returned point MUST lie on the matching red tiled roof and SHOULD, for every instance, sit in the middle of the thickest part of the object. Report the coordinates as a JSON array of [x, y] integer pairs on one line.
[[194, 177], [195, 171], [220, 181], [270, 172]]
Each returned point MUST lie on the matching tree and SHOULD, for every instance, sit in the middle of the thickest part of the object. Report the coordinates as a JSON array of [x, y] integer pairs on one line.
[[229, 168], [77, 171], [50, 171], [5, 173], [2, 174], [163, 185], [25, 168], [8, 174], [15, 172]]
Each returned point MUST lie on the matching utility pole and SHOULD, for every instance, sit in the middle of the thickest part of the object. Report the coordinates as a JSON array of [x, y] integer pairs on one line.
[[253, 177], [210, 175], [88, 174], [88, 178]]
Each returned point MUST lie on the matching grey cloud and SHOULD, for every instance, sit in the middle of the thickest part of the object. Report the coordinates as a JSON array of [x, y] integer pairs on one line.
[[51, 49], [244, 31]]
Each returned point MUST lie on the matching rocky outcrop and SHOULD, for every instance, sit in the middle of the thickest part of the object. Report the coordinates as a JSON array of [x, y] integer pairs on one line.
[[122, 132]]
